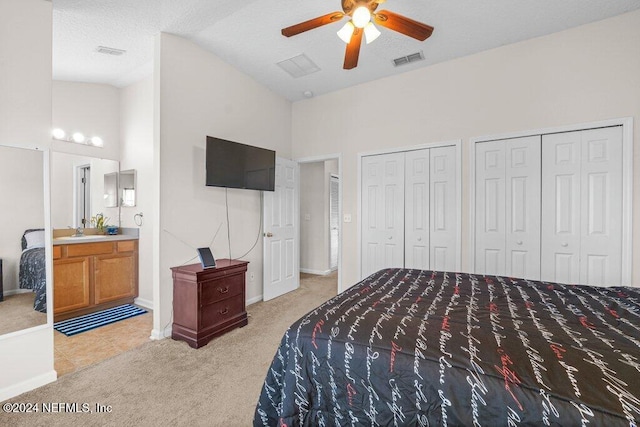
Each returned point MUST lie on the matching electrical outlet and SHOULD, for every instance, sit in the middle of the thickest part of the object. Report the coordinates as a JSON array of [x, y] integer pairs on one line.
[[307, 217], [252, 276], [347, 217]]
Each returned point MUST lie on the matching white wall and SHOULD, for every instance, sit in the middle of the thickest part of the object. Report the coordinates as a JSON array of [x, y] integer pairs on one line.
[[199, 95], [585, 74], [26, 357], [91, 109], [136, 152], [21, 206]]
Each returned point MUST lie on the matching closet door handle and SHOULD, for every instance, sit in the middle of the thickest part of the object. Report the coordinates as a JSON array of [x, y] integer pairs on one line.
[[390, 237], [419, 239], [564, 244], [519, 242]]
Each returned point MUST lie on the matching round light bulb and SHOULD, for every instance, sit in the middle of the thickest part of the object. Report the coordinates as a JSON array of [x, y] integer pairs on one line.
[[97, 141], [361, 16], [58, 133], [78, 137]]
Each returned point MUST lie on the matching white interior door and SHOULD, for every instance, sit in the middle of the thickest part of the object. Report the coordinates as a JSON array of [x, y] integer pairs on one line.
[[281, 231], [601, 207], [490, 208], [522, 201], [582, 207], [443, 208], [382, 212], [416, 225]]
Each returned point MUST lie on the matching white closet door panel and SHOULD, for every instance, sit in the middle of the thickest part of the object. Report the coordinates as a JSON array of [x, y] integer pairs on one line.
[[383, 212], [522, 213], [601, 205], [561, 177], [442, 208], [417, 209], [490, 208]]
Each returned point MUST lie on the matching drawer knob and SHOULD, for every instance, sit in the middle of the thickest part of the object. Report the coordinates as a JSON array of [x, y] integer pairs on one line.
[[223, 291], [225, 311]]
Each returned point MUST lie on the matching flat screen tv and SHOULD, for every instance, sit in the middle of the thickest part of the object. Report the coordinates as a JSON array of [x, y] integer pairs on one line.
[[234, 165]]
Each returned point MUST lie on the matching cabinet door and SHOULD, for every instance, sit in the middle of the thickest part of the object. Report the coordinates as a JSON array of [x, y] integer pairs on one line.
[[416, 239], [382, 212], [71, 284], [115, 277], [443, 208]]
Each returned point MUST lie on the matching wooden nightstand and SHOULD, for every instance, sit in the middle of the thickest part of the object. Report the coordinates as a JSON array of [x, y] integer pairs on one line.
[[208, 302]]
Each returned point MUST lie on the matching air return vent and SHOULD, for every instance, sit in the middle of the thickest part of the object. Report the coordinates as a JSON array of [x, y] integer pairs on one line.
[[418, 56], [299, 66], [110, 51]]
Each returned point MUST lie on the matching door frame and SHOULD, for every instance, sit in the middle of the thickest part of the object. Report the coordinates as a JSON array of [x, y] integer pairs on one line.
[[627, 183], [457, 143], [322, 158]]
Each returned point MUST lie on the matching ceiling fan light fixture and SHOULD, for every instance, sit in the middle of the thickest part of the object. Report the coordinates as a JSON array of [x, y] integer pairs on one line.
[[346, 32], [361, 16], [371, 32]]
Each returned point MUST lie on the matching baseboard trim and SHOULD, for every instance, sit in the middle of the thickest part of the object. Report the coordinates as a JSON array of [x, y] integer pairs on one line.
[[254, 300], [144, 303], [157, 334], [9, 292], [316, 272], [28, 385]]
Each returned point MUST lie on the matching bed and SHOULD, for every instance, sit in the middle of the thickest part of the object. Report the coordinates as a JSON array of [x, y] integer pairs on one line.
[[422, 348], [32, 271]]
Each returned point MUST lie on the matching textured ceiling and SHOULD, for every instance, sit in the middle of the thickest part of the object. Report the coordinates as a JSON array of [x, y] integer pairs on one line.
[[247, 35]]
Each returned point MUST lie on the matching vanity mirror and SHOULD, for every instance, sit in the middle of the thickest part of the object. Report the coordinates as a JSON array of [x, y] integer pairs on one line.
[[127, 188], [81, 188], [22, 240]]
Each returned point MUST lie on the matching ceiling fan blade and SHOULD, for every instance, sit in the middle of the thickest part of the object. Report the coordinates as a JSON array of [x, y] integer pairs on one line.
[[403, 25], [353, 50], [312, 23]]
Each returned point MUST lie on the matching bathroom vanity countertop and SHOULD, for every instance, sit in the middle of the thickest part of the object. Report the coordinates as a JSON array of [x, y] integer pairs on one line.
[[92, 238]]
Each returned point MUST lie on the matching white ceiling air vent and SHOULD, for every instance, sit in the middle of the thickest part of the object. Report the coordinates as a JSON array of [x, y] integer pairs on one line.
[[298, 66], [110, 51], [418, 56]]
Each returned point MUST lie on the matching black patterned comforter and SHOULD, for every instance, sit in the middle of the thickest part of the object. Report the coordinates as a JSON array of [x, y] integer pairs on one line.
[[412, 347], [33, 275]]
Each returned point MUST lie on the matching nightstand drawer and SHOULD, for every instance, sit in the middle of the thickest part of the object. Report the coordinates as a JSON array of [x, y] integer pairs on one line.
[[222, 288], [221, 311]]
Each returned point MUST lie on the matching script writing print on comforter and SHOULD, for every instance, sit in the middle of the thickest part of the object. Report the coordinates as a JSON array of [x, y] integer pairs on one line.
[[412, 347]]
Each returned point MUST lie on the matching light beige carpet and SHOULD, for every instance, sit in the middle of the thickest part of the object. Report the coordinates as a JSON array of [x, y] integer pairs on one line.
[[167, 383], [17, 313]]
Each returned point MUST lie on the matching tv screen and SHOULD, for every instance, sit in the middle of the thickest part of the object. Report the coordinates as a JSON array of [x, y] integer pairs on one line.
[[234, 165]]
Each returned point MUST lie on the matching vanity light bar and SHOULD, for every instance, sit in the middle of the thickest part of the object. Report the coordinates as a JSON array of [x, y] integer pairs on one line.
[[77, 137]]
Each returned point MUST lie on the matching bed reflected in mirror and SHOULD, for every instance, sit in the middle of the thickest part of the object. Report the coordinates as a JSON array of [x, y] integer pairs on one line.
[[22, 239]]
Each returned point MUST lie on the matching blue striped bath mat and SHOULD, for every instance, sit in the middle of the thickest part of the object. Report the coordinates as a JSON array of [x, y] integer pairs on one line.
[[95, 320]]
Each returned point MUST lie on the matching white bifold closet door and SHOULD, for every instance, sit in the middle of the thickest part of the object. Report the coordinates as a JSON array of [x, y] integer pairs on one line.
[[409, 210], [508, 207], [382, 212], [582, 207]]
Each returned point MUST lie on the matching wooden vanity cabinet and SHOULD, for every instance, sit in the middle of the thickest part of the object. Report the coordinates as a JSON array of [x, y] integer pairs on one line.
[[90, 277]]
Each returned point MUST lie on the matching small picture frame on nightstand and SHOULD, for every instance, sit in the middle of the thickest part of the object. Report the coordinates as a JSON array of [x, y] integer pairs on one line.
[[206, 258]]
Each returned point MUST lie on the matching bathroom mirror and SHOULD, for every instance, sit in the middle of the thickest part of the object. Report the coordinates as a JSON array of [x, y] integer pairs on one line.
[[23, 272], [127, 188], [111, 190], [78, 190]]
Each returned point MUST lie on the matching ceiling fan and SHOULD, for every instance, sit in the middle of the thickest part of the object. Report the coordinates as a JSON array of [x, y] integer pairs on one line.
[[362, 14]]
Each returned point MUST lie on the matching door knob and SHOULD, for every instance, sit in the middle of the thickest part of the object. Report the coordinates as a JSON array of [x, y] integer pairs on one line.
[[564, 245], [269, 234], [419, 239], [519, 242], [390, 237]]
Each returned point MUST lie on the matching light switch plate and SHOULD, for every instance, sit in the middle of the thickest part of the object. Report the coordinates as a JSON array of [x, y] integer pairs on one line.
[[347, 217], [307, 217]]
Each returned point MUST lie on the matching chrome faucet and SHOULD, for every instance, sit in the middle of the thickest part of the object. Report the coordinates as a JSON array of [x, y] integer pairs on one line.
[[79, 231]]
